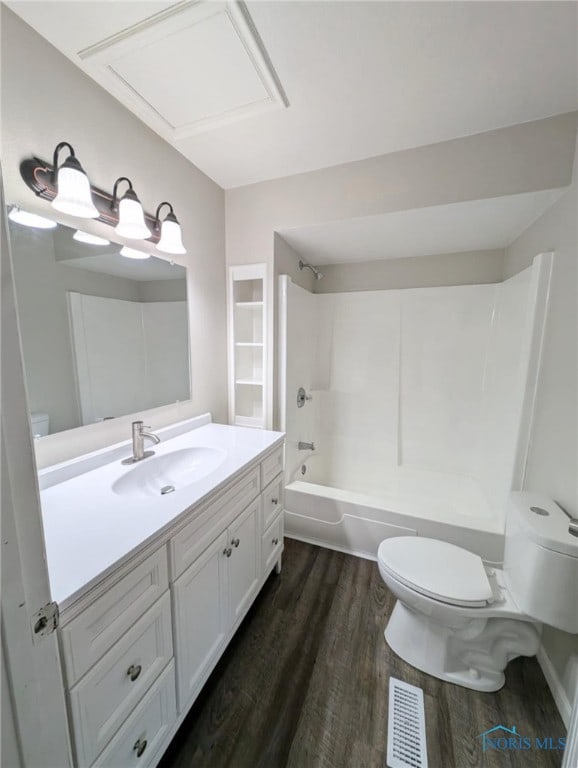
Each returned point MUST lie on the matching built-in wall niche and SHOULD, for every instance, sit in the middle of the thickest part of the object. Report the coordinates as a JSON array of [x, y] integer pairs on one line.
[[247, 345], [102, 335]]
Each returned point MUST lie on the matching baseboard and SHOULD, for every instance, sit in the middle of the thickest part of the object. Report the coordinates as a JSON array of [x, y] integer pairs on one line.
[[560, 696]]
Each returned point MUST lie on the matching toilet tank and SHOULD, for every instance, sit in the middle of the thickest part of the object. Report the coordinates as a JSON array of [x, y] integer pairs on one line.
[[40, 424], [541, 561]]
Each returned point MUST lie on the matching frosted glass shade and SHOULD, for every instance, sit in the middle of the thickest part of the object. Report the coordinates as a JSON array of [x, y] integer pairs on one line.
[[133, 253], [171, 240], [131, 221], [74, 196]]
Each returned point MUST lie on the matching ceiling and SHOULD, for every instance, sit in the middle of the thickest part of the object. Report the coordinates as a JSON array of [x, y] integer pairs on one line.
[[142, 271], [278, 88], [477, 225], [107, 259]]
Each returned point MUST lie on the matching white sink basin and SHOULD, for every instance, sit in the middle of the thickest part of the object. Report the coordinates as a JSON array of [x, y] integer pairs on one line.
[[161, 475]]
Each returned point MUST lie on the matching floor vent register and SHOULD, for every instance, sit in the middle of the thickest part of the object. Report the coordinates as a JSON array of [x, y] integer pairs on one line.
[[406, 741]]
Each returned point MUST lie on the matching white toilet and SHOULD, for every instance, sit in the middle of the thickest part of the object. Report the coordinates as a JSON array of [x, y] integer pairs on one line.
[[463, 622]]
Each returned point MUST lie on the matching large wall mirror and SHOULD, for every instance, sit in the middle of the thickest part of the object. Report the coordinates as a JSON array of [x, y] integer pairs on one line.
[[103, 335]]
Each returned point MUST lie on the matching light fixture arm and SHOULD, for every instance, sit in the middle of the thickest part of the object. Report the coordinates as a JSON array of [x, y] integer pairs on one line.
[[57, 151], [157, 214], [114, 203]]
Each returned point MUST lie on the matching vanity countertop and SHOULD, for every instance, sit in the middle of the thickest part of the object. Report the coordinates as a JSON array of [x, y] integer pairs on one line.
[[90, 530]]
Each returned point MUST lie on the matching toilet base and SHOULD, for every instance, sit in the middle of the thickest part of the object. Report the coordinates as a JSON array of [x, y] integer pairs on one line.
[[474, 656]]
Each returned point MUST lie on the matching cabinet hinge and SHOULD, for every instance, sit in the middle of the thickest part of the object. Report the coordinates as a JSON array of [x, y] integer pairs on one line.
[[45, 621]]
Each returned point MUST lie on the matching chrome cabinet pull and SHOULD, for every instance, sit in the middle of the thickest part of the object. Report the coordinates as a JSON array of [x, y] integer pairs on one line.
[[140, 746], [275, 541], [227, 551], [236, 542], [134, 671]]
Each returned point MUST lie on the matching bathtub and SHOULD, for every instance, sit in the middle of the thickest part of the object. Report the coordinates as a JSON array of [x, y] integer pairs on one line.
[[409, 503]]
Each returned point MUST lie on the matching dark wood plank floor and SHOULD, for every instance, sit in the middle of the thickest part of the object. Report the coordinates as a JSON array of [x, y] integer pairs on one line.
[[304, 684]]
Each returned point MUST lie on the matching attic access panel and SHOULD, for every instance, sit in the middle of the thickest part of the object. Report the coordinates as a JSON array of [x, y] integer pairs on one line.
[[190, 68]]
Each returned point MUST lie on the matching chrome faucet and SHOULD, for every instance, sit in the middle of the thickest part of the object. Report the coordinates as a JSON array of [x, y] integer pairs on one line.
[[138, 438], [573, 524], [305, 446]]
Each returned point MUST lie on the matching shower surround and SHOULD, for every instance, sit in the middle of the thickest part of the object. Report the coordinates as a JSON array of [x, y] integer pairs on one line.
[[420, 410]]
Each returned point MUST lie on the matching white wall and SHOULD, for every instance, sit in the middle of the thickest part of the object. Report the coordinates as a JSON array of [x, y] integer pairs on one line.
[[520, 158], [469, 268], [163, 290], [553, 456], [46, 99], [287, 263]]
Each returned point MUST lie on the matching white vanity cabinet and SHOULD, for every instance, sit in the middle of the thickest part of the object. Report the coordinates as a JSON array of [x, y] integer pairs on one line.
[[200, 618], [211, 598], [116, 644], [244, 562], [139, 646]]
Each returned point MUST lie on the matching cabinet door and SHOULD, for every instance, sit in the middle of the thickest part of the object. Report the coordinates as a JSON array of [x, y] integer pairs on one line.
[[200, 618], [245, 561]]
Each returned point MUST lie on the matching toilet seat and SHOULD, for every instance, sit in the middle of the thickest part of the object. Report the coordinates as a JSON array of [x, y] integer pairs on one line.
[[437, 569]]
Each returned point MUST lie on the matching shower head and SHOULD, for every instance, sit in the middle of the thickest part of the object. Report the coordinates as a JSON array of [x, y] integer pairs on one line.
[[303, 265]]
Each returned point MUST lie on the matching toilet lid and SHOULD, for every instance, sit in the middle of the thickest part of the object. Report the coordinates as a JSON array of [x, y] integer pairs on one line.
[[437, 569]]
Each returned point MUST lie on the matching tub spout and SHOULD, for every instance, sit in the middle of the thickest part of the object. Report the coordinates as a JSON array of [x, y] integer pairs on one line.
[[305, 446]]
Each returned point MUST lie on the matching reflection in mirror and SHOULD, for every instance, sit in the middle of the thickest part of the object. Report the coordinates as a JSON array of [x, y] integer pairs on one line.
[[102, 335]]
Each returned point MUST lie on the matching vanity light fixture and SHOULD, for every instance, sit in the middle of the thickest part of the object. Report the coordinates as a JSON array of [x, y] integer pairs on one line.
[[68, 189], [86, 237], [171, 240], [131, 220], [133, 253], [28, 219], [74, 195]]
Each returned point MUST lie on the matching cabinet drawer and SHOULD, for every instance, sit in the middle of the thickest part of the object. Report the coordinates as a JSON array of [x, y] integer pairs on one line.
[[273, 501], [271, 466], [108, 693], [89, 636], [195, 537], [272, 544], [138, 742]]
